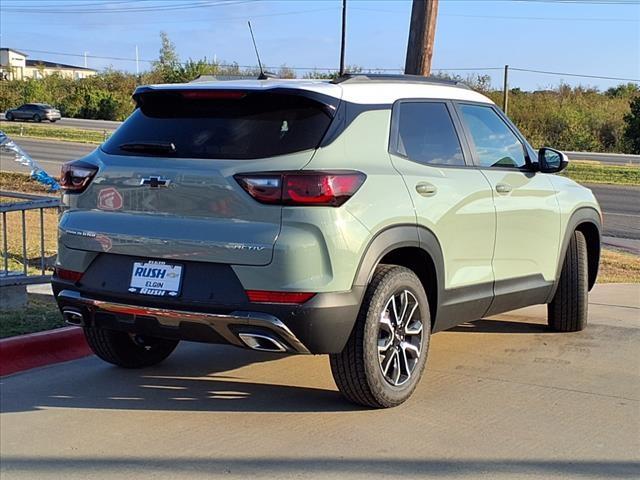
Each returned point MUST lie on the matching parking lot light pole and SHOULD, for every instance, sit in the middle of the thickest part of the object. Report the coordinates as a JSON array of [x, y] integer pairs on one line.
[[344, 33], [505, 90]]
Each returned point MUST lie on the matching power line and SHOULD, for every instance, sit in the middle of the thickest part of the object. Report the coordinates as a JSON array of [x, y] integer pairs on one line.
[[374, 69], [132, 9], [197, 20], [564, 74], [506, 17], [564, 19]]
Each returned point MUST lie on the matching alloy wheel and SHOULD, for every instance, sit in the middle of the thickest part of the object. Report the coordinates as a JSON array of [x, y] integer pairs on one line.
[[400, 337]]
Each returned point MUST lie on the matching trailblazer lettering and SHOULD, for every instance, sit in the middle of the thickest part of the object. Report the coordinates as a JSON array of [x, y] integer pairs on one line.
[[150, 272]]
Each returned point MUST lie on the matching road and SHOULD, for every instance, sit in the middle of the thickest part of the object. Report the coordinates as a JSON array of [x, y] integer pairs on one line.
[[108, 125], [50, 155], [501, 399], [620, 204], [621, 208], [82, 123]]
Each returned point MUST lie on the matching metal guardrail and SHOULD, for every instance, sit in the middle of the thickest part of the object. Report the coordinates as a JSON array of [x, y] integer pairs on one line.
[[23, 202]]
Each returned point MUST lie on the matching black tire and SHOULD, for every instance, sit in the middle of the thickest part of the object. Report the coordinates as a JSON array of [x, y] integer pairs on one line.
[[9, 117], [53, 121], [37, 118], [358, 370], [568, 310], [128, 351]]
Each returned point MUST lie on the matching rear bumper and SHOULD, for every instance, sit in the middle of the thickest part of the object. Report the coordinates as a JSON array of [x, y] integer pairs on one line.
[[321, 325]]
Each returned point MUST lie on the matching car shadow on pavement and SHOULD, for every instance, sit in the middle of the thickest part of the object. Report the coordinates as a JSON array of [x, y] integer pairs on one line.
[[501, 326], [319, 467], [197, 377]]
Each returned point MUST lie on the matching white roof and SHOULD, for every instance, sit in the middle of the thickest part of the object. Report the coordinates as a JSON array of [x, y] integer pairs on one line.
[[364, 92], [389, 92]]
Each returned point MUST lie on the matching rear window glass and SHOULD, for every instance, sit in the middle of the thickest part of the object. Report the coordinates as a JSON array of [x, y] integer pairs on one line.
[[220, 124]]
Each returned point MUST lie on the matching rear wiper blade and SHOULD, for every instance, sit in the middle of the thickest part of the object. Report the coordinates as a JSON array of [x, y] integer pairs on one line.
[[148, 147]]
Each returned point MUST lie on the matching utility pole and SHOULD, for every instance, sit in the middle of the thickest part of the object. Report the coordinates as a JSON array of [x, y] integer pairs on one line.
[[85, 59], [344, 33], [505, 90], [422, 32], [137, 63]]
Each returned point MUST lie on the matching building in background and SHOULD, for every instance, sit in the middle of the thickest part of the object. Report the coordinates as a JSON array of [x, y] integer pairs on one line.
[[14, 65]]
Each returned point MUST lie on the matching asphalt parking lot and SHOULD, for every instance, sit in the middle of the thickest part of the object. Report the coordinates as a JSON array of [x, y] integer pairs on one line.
[[502, 398]]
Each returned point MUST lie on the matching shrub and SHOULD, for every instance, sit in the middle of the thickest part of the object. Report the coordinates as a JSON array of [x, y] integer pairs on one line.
[[632, 126]]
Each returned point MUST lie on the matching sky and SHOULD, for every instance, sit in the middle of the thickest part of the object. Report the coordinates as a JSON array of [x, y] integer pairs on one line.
[[597, 37]]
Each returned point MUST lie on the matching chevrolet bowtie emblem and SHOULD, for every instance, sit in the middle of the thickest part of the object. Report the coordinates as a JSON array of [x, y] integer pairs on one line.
[[155, 182]]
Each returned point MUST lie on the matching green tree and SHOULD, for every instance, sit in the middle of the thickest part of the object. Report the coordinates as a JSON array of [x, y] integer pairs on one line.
[[167, 67], [632, 126], [623, 90]]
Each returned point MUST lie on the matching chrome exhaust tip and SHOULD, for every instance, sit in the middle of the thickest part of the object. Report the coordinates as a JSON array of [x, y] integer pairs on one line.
[[72, 317], [262, 342]]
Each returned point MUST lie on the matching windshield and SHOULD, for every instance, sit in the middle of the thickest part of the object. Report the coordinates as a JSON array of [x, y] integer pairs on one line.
[[224, 124]]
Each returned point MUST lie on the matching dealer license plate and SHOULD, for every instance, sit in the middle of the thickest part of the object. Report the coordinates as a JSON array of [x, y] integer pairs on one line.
[[156, 278]]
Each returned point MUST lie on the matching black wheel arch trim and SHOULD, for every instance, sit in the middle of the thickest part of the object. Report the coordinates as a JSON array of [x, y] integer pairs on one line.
[[581, 219], [400, 236], [393, 238]]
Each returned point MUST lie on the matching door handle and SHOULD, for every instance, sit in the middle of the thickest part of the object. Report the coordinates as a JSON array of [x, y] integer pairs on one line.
[[503, 188], [426, 189]]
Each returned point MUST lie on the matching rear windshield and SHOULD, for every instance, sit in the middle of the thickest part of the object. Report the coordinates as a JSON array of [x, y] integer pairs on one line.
[[225, 124]]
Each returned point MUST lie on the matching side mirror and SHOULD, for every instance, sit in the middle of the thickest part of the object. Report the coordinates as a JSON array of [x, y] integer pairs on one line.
[[551, 160]]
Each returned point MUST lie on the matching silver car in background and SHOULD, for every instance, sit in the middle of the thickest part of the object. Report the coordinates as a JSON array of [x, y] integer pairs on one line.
[[33, 111]]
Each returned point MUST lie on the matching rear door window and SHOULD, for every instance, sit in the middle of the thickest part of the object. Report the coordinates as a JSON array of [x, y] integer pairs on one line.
[[426, 134], [222, 124]]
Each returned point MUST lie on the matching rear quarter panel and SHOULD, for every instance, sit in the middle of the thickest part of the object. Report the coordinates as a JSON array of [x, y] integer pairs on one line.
[[320, 248]]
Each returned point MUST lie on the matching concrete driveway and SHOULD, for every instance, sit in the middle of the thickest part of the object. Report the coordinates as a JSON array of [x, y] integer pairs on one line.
[[502, 398]]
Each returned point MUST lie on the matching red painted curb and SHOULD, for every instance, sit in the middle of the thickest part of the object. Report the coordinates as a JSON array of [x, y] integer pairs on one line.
[[43, 348]]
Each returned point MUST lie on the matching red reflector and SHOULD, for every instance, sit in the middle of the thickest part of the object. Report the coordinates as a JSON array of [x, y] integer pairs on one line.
[[213, 94], [265, 296], [68, 275]]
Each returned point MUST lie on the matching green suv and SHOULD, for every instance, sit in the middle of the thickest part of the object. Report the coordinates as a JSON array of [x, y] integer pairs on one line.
[[352, 218]]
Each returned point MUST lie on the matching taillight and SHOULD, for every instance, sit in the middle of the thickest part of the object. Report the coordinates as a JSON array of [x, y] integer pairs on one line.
[[266, 296], [68, 275], [76, 176], [302, 188]]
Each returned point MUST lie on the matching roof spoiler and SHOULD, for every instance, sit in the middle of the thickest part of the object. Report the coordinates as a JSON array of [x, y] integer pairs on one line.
[[330, 103]]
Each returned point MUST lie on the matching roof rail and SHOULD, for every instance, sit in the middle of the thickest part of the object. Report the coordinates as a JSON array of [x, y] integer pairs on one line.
[[393, 78]]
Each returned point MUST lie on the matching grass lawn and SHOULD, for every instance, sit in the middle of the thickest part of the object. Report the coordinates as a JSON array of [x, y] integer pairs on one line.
[[589, 172], [52, 133], [619, 267], [22, 183], [41, 313]]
